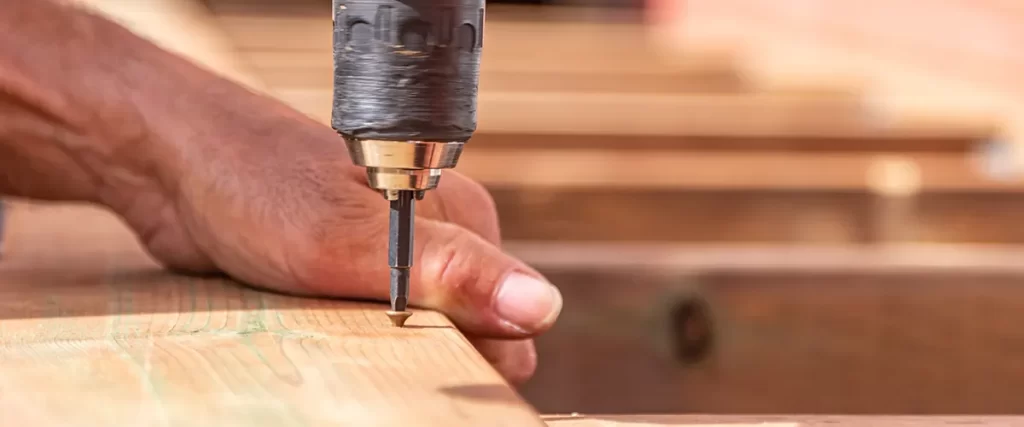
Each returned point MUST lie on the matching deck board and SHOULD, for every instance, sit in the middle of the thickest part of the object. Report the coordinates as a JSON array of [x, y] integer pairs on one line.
[[92, 332]]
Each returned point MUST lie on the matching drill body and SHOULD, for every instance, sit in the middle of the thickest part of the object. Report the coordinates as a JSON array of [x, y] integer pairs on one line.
[[406, 74]]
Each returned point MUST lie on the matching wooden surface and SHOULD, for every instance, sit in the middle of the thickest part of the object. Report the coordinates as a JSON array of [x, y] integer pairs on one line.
[[821, 330], [751, 216], [763, 421], [907, 59], [186, 27], [93, 333], [597, 93], [894, 258], [589, 77]]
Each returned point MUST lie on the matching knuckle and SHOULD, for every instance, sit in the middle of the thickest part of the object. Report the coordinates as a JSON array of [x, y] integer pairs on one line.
[[445, 265], [457, 264]]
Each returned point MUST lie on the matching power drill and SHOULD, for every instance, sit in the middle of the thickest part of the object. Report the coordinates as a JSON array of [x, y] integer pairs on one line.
[[406, 74]]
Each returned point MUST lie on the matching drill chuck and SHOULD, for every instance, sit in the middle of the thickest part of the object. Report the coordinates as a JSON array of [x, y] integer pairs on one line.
[[406, 74]]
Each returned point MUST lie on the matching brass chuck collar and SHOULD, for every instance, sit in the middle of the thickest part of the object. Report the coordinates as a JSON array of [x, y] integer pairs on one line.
[[393, 166]]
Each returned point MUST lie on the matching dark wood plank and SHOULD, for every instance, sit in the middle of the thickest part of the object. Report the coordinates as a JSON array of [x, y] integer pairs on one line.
[[721, 216], [658, 339]]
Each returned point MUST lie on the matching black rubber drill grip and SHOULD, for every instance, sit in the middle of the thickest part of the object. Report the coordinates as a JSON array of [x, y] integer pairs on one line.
[[407, 69]]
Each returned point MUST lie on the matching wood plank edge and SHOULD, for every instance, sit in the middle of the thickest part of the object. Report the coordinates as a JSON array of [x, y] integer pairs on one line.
[[668, 420], [761, 257]]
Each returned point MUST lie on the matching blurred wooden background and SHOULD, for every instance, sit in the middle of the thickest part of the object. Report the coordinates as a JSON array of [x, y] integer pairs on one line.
[[744, 216]]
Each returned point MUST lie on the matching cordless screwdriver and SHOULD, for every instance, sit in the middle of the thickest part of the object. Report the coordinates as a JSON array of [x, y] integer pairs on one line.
[[406, 74]]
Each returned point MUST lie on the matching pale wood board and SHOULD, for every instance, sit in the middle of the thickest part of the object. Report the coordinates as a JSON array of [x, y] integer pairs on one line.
[[665, 169], [291, 51], [608, 56], [186, 27], [92, 332], [576, 420], [909, 65], [869, 258]]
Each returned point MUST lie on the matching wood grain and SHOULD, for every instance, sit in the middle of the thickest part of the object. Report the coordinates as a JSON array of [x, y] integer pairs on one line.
[[784, 331], [768, 421], [93, 333]]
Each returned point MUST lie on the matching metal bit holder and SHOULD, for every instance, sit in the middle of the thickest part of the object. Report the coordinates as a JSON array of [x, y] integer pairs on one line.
[[393, 166]]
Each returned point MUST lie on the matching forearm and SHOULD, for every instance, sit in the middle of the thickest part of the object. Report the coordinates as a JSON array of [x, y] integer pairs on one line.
[[60, 86]]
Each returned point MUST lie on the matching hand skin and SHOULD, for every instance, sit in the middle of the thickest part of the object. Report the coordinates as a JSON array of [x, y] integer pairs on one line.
[[216, 179]]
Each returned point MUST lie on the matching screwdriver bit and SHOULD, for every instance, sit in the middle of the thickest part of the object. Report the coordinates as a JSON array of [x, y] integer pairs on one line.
[[400, 250]]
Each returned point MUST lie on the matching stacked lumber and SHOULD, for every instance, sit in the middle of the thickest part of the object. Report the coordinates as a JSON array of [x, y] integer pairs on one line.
[[583, 108]]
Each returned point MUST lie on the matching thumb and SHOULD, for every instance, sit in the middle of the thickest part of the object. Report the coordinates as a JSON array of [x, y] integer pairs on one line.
[[485, 291]]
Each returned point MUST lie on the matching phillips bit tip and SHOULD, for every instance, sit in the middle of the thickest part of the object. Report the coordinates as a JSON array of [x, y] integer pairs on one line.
[[400, 243]]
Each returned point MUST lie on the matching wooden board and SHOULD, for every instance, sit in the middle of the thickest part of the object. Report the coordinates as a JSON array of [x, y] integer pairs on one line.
[[641, 114], [719, 170], [593, 77], [765, 421], [185, 27], [93, 333], [764, 258], [908, 141], [913, 68], [762, 215], [762, 330]]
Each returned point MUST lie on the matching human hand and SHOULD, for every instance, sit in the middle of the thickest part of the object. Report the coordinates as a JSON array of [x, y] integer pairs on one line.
[[261, 193], [214, 178]]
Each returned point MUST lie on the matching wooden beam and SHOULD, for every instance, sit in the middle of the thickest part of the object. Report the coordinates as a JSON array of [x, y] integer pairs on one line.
[[548, 45], [675, 257], [185, 27], [909, 66], [890, 333], [92, 332], [282, 40], [893, 141], [737, 115], [705, 215], [666, 169], [604, 79], [592, 80], [578, 420]]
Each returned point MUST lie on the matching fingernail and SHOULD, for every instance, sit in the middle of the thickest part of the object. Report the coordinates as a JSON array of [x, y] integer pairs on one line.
[[528, 303]]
